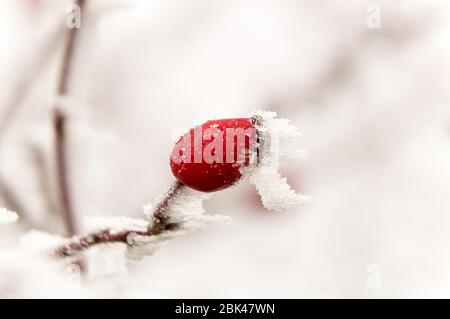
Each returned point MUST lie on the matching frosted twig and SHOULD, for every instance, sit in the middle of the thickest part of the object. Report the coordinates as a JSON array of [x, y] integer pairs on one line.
[[161, 222], [161, 219]]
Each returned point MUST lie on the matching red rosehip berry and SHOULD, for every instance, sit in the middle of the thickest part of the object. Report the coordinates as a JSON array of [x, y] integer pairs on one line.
[[208, 158]]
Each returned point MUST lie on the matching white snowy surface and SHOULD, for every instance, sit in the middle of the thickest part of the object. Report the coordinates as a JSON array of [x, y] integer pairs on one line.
[[37, 242], [372, 105], [7, 216]]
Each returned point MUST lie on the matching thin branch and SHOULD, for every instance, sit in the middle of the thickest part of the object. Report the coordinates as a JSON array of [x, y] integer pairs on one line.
[[161, 220], [160, 223], [9, 197], [12, 202], [68, 55], [60, 128], [38, 159], [41, 55]]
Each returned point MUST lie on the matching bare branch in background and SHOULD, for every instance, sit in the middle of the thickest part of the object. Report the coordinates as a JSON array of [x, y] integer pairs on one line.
[[43, 179], [60, 129], [59, 125], [13, 203], [41, 56]]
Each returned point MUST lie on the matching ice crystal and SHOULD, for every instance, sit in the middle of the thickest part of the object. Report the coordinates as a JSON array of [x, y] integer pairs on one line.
[[278, 139]]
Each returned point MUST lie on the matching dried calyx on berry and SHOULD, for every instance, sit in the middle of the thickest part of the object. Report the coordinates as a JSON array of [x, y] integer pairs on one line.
[[219, 153]]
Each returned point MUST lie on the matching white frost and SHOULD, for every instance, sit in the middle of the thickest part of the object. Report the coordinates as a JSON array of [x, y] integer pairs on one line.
[[278, 139], [7, 216], [148, 210], [185, 209], [37, 241], [276, 194], [115, 224]]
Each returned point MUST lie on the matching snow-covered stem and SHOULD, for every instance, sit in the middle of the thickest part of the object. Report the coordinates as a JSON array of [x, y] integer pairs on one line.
[[160, 222], [59, 127]]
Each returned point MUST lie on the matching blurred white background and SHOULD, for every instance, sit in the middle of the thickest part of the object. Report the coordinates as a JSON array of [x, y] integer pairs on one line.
[[372, 104]]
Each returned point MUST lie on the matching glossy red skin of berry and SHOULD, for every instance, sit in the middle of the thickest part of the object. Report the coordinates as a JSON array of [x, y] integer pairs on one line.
[[210, 177]]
